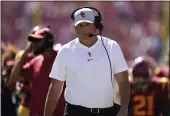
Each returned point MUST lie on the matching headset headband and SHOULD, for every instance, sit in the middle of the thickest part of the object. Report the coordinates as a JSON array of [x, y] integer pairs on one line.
[[72, 15], [98, 19]]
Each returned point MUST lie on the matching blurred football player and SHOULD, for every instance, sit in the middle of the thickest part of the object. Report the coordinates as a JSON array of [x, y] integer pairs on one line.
[[162, 71], [8, 97], [35, 70], [148, 96]]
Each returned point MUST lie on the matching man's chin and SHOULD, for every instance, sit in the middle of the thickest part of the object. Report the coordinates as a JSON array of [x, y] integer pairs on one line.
[[39, 51]]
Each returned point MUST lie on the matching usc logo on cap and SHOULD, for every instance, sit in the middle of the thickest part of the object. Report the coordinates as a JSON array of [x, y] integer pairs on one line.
[[82, 14]]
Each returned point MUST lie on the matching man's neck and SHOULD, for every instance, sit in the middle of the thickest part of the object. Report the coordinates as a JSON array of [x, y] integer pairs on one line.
[[89, 42]]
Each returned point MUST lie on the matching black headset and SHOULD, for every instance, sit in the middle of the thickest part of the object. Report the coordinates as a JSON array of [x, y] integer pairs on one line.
[[97, 20]]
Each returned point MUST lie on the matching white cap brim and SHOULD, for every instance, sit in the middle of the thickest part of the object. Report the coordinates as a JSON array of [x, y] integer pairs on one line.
[[82, 21]]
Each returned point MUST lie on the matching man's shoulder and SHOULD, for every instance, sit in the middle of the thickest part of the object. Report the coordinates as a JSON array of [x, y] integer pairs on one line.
[[161, 83], [109, 41], [162, 80], [68, 46]]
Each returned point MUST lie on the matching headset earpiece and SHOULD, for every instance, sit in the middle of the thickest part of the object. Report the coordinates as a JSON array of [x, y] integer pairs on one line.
[[98, 23]]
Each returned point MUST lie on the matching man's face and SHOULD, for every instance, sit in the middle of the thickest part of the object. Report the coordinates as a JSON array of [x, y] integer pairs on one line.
[[38, 46], [83, 29], [141, 82]]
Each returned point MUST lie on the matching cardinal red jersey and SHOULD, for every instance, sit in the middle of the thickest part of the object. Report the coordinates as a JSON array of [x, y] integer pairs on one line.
[[153, 101], [37, 70]]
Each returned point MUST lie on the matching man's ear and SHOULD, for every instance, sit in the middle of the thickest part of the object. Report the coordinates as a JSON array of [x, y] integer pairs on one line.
[[75, 29], [97, 30]]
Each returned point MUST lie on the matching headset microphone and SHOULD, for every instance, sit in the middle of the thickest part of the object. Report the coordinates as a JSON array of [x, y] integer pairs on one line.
[[92, 35]]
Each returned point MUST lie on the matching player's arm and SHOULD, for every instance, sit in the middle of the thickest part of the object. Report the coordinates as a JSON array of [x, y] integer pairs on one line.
[[16, 71], [53, 96], [124, 89]]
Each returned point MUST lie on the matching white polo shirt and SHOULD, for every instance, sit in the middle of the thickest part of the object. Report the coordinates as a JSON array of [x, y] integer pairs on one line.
[[87, 72]]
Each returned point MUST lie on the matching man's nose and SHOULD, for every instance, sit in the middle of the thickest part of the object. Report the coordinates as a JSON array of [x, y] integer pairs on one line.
[[84, 28]]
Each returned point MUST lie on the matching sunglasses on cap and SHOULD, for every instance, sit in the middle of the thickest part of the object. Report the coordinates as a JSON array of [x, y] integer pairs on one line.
[[38, 35]]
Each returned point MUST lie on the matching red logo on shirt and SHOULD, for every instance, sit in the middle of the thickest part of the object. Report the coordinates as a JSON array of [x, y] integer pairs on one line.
[[82, 14], [89, 53]]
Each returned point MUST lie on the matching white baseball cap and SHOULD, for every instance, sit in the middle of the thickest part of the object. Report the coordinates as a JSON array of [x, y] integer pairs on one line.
[[84, 15]]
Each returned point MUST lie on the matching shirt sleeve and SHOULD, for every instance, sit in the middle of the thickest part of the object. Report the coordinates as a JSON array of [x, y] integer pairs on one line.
[[119, 62], [58, 70], [27, 69]]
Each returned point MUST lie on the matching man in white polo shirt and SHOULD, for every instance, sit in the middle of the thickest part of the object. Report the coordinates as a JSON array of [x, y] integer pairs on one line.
[[89, 68]]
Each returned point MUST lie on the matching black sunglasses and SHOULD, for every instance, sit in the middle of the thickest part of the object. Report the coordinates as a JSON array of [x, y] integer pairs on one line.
[[32, 39]]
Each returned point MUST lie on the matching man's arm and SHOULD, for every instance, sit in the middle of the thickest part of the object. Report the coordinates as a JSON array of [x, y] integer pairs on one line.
[[16, 71], [163, 99], [124, 89], [53, 96]]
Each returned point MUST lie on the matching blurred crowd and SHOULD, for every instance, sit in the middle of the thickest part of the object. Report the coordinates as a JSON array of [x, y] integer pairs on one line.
[[138, 27]]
